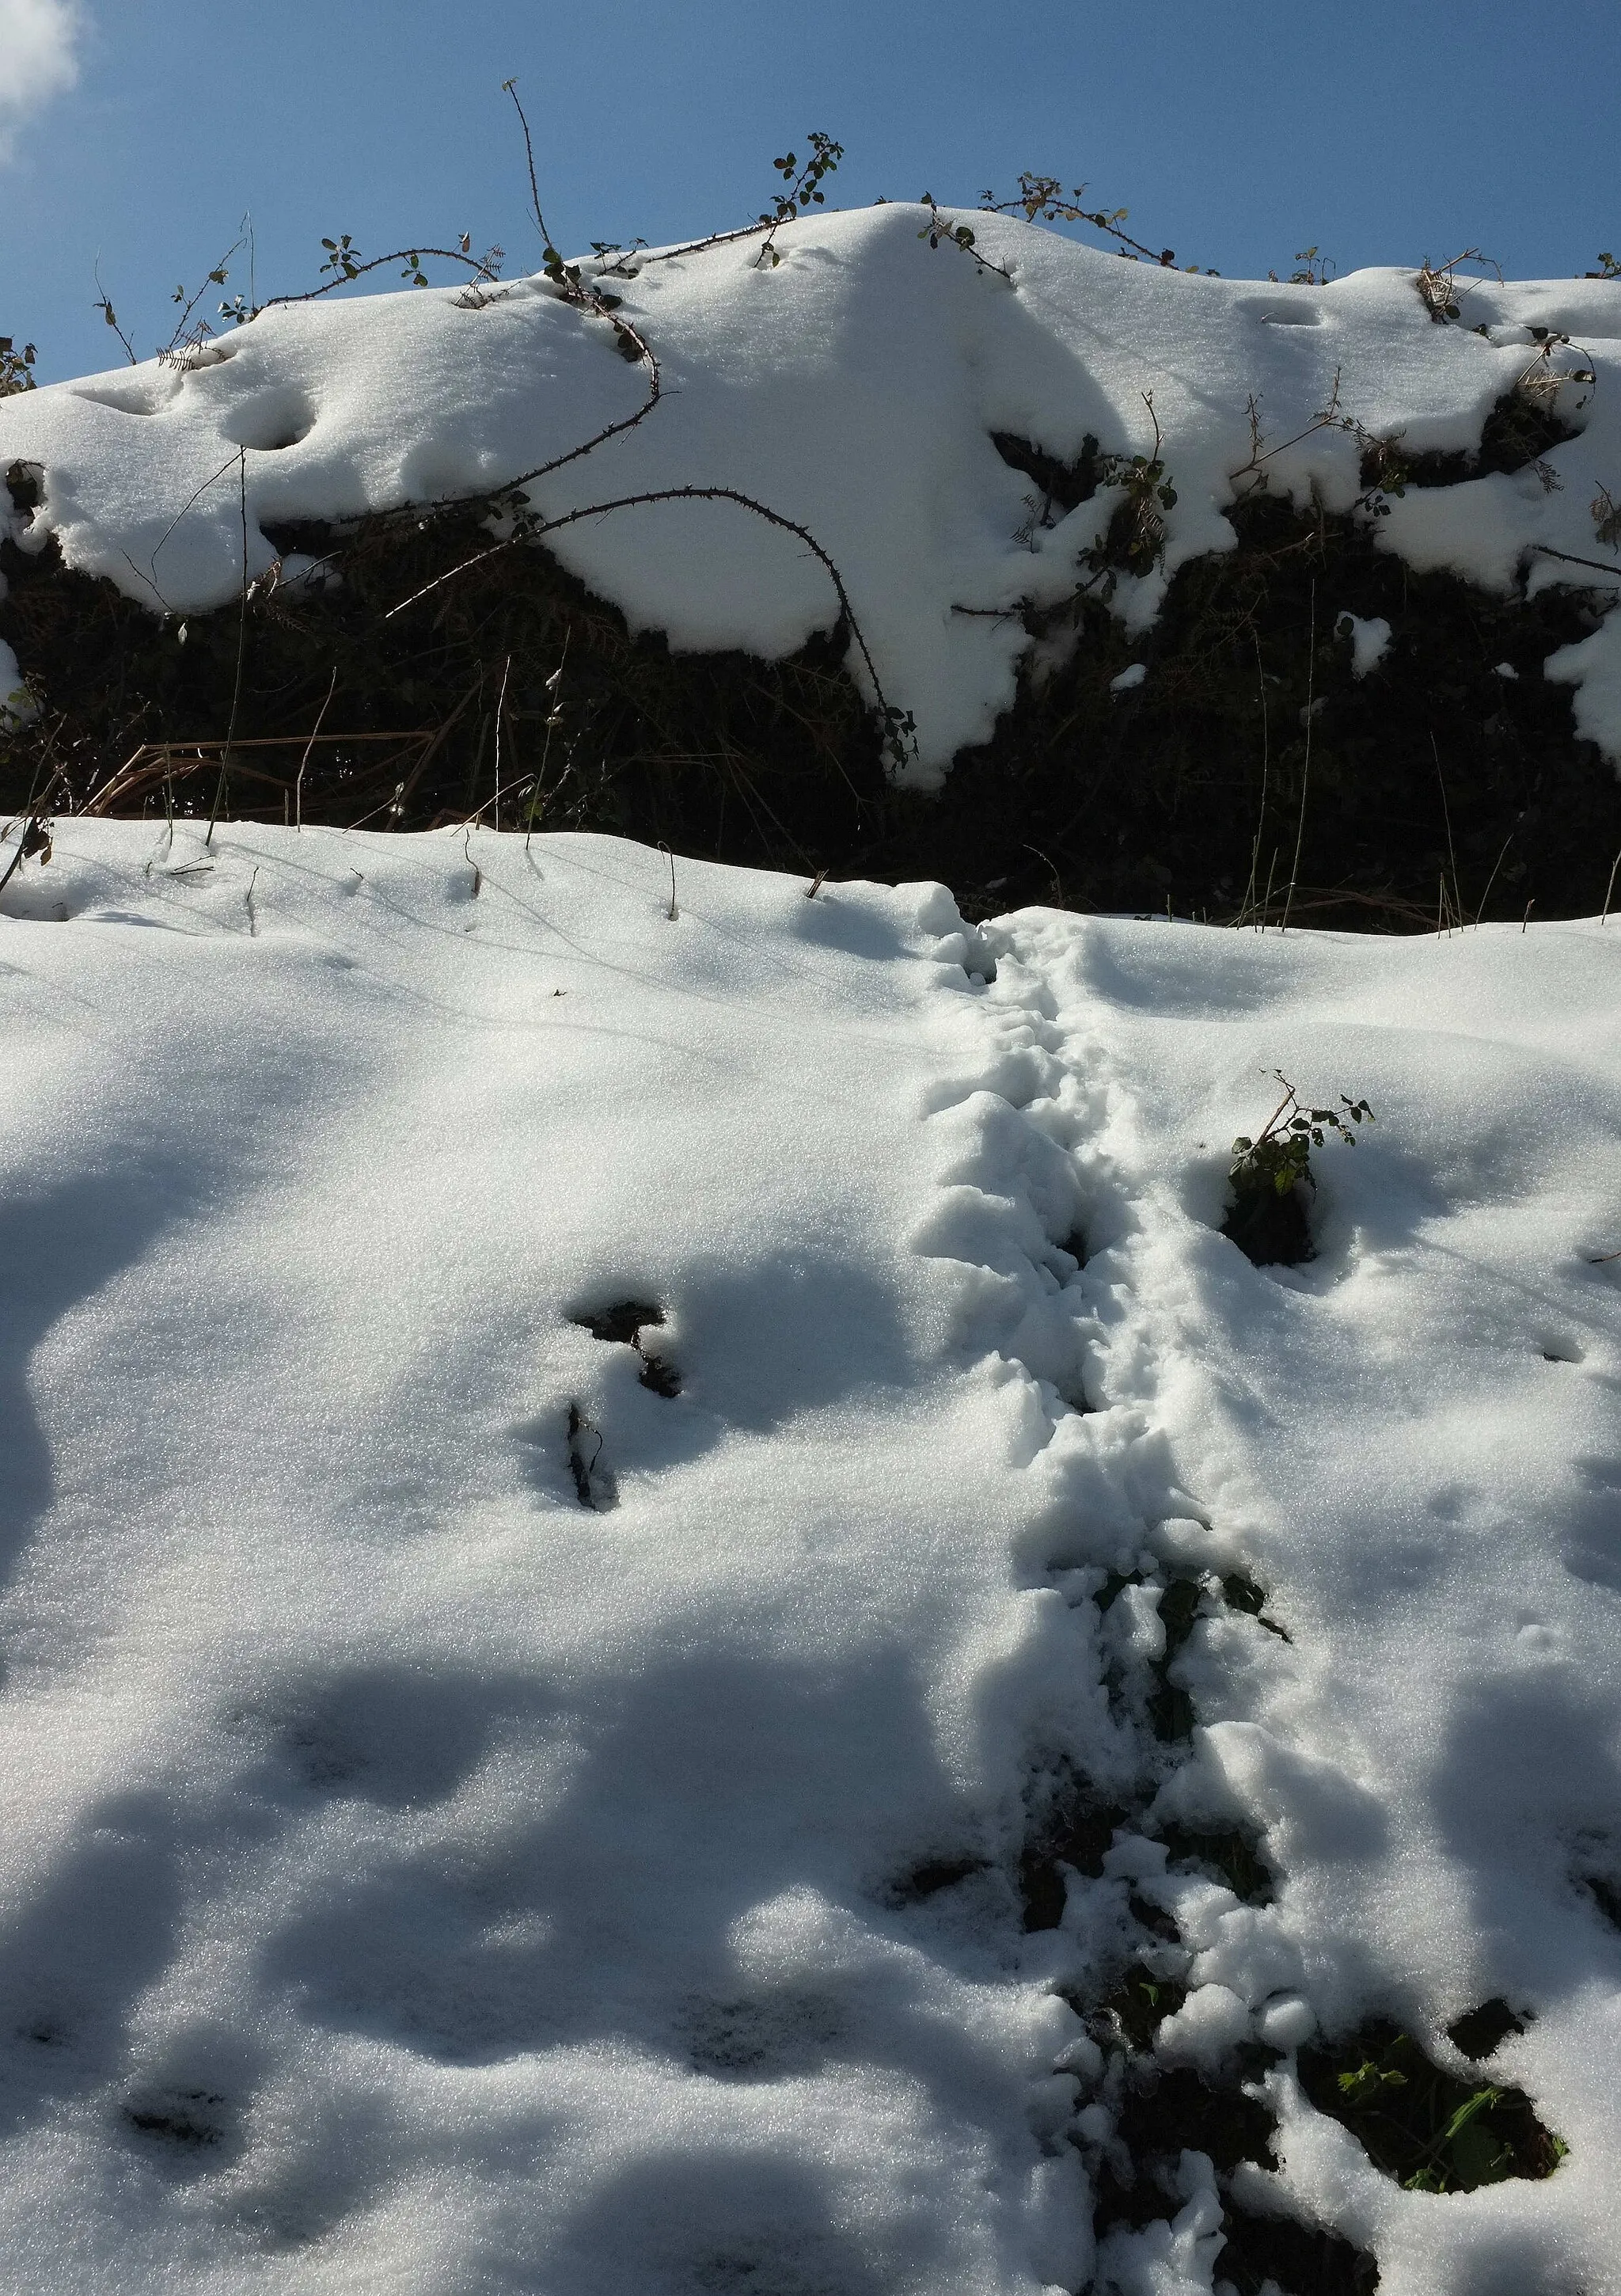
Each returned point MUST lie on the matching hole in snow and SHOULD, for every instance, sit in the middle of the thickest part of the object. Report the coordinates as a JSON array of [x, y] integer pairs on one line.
[[1516, 433], [1063, 484], [1243, 1595], [1159, 2112], [1287, 2254], [928, 1878], [623, 1326], [1428, 2131], [593, 1484], [268, 421], [1077, 1832], [1282, 311], [763, 2036], [621, 1323], [1129, 2018], [142, 394], [1233, 1858], [1482, 2030], [194, 2126], [1270, 1230], [25, 484]]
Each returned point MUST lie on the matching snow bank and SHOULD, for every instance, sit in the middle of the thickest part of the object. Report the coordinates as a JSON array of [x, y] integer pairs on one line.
[[476, 1820], [852, 389]]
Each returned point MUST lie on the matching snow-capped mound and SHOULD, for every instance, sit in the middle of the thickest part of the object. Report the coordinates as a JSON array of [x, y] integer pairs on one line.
[[852, 391]]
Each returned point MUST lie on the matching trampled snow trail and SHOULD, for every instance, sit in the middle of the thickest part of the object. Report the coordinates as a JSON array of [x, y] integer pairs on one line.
[[481, 1820], [1411, 1444]]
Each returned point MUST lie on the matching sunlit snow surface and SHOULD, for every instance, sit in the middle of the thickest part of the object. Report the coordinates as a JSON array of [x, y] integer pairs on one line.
[[853, 389], [416, 1879]]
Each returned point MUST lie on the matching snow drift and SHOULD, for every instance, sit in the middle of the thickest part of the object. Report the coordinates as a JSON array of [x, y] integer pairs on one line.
[[486, 1812]]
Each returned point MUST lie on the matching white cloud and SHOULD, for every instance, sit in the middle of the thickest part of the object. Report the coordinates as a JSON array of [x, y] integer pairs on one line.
[[37, 39]]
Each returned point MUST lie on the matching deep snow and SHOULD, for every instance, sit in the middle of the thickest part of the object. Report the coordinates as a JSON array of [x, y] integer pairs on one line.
[[853, 389], [417, 1878]]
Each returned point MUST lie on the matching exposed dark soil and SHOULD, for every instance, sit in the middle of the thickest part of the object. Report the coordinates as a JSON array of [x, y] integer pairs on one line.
[[623, 1325]]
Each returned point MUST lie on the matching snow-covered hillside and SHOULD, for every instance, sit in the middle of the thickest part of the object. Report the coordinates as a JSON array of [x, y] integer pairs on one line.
[[493, 1807], [853, 390]]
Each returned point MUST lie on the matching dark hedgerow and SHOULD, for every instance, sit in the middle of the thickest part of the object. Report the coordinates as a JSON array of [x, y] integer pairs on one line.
[[1440, 786]]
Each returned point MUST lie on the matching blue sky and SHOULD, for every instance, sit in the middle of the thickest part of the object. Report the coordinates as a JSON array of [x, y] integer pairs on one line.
[[1236, 131]]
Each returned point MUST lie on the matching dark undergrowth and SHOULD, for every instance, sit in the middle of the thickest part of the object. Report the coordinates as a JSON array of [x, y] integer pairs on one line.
[[1435, 783]]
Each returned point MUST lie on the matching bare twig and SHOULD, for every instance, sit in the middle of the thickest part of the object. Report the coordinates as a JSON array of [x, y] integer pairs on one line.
[[892, 718], [1492, 880], [308, 746], [1305, 771], [1260, 819], [1542, 550], [241, 644], [1446, 812], [509, 88], [554, 717], [111, 317]]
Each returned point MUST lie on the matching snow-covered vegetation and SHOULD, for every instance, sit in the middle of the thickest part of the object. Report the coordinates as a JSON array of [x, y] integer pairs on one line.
[[699, 1591], [854, 387]]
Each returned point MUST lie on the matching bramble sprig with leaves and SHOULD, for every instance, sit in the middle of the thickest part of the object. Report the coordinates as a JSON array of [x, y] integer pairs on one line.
[[1610, 267], [570, 279], [1316, 268], [786, 206], [804, 190], [187, 334], [939, 233], [345, 261], [1041, 199], [1279, 1157], [16, 367], [1135, 537]]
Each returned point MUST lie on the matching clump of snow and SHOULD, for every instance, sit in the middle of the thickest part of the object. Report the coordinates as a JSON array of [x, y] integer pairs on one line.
[[852, 389], [1370, 639], [15, 700], [419, 1875], [1130, 677]]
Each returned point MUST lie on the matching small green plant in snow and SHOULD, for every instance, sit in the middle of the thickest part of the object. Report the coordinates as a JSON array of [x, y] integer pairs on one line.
[[1267, 1219]]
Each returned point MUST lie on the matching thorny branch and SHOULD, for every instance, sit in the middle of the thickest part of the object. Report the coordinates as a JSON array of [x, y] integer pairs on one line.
[[898, 724]]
